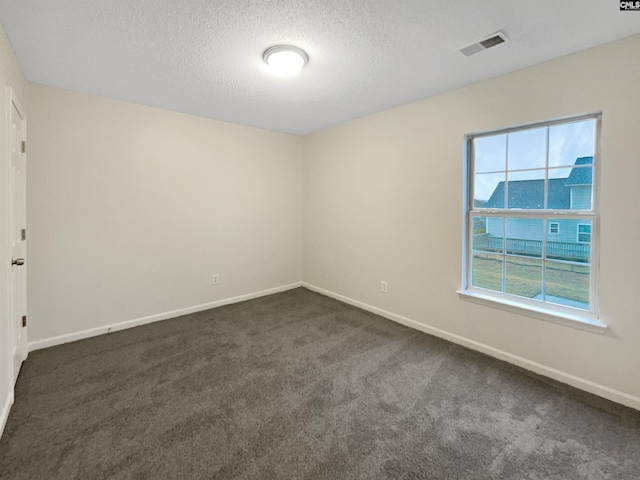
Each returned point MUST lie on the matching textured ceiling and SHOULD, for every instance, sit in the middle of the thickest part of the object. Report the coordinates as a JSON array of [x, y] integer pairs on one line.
[[204, 57]]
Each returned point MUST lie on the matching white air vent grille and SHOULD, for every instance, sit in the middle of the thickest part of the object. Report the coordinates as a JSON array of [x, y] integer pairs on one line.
[[484, 44]]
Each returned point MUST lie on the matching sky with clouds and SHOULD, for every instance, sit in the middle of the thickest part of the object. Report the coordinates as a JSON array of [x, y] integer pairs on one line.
[[527, 149]]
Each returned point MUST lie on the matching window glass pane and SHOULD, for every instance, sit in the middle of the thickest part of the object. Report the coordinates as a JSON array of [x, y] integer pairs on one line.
[[525, 190], [554, 228], [488, 233], [527, 149], [523, 277], [479, 225], [558, 193], [487, 271], [488, 190], [524, 236], [490, 153], [570, 141], [584, 232], [565, 245], [567, 284], [580, 185]]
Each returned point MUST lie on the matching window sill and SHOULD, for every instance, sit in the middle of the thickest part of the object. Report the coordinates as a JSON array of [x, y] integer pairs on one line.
[[582, 322]]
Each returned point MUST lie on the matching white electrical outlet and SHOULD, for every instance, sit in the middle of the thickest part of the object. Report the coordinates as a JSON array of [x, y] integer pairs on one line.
[[215, 279], [384, 287]]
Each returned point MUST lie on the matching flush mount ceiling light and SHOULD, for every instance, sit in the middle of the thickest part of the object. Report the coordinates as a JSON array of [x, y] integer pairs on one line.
[[285, 60]]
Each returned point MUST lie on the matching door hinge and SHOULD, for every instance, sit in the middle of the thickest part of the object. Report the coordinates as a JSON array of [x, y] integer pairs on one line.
[[24, 147], [24, 321], [23, 234]]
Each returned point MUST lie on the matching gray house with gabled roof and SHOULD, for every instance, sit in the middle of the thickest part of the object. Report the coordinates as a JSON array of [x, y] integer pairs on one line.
[[580, 184], [571, 193]]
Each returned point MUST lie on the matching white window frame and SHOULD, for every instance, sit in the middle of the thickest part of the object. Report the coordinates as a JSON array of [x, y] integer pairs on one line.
[[566, 315], [557, 232], [578, 233]]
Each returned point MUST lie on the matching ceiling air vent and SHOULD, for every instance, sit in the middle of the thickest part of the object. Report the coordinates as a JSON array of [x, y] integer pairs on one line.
[[484, 44]]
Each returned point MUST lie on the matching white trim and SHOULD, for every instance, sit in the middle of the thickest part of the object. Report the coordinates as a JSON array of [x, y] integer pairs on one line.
[[577, 382], [560, 214], [568, 316], [14, 98], [19, 351], [114, 327], [544, 123], [4, 416]]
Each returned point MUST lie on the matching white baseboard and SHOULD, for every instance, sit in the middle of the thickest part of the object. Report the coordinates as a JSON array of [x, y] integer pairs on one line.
[[6, 408], [580, 383], [93, 332]]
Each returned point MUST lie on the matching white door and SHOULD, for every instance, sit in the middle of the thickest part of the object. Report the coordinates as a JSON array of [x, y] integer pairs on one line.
[[18, 233]]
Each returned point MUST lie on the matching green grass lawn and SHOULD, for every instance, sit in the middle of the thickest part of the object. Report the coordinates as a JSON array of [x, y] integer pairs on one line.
[[524, 277]]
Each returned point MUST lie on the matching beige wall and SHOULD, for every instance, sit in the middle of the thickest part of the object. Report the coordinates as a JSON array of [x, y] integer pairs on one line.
[[10, 76], [382, 200], [132, 209]]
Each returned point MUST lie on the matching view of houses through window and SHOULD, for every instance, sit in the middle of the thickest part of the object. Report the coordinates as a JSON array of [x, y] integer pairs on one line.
[[531, 211]]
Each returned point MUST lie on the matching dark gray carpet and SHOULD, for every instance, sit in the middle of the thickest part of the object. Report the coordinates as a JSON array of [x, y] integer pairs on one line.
[[299, 386]]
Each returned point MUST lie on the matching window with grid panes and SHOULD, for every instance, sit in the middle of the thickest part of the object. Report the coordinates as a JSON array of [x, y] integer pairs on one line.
[[531, 213]]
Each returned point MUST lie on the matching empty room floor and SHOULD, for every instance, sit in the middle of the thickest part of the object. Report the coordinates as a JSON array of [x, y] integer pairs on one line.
[[298, 385]]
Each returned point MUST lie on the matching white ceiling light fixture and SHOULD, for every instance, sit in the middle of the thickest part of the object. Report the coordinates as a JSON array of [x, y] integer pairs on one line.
[[285, 60]]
